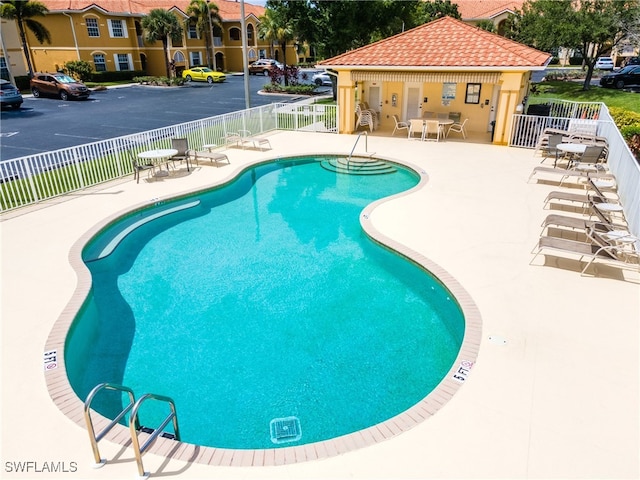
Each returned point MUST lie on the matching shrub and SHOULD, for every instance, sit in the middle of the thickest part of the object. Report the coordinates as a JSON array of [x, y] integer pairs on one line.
[[292, 89], [79, 69], [576, 60], [161, 81]]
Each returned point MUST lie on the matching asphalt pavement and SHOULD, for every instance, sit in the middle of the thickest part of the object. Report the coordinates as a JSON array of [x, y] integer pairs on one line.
[[46, 124]]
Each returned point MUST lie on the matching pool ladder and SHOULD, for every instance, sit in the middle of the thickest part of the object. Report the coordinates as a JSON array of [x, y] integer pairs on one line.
[[134, 424]]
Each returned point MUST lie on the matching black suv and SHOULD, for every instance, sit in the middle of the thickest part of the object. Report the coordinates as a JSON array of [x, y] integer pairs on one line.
[[626, 77], [633, 61]]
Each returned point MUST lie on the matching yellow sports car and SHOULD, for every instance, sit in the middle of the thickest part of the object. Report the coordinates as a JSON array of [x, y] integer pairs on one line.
[[203, 74]]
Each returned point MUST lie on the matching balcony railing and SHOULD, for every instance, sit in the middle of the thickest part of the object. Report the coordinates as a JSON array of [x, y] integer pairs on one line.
[[32, 179]]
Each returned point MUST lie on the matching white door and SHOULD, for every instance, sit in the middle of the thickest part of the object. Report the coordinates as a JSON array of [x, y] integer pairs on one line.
[[374, 98], [412, 107]]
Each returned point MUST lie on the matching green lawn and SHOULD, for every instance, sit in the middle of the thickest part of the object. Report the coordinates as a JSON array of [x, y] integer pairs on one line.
[[572, 91]]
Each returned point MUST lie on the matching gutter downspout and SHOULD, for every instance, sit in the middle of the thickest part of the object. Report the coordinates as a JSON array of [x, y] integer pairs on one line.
[[73, 31]]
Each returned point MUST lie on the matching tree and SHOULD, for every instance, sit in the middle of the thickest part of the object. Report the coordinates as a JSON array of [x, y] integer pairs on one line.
[[205, 15], [433, 10], [161, 25], [275, 27], [591, 28], [23, 12], [486, 25]]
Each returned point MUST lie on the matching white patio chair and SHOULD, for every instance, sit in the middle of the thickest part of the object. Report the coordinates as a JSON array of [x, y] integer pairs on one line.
[[458, 128], [415, 127], [399, 125], [432, 130]]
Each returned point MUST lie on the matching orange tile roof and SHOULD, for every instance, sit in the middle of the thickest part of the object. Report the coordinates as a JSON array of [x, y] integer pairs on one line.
[[445, 42], [479, 9], [228, 9]]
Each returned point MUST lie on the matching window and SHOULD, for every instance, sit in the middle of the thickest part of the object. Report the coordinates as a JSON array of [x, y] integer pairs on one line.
[[234, 34], [473, 93], [193, 31], [249, 32], [117, 28], [92, 27], [99, 62], [195, 58], [123, 62]]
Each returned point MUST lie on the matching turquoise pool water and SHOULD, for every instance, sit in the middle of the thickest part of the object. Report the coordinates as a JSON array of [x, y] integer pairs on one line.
[[259, 300]]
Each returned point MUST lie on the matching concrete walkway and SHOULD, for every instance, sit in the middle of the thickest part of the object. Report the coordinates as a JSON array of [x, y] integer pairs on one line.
[[554, 392]]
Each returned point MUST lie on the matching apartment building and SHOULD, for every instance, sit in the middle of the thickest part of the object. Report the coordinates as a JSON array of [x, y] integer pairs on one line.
[[108, 34]]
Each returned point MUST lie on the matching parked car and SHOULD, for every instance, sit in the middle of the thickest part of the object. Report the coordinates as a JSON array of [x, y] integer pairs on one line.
[[632, 61], [322, 78], [59, 85], [264, 66], [9, 95], [629, 75], [203, 74], [604, 63]]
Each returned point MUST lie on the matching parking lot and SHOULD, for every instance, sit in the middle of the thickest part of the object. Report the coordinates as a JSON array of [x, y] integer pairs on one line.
[[46, 124]]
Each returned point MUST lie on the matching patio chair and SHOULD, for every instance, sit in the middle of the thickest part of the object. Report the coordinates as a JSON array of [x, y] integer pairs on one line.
[[182, 146], [590, 160], [433, 128], [399, 125], [139, 165], [416, 127], [565, 247], [232, 139], [257, 142], [570, 173], [583, 198], [458, 127], [550, 149], [580, 224], [213, 157], [429, 115]]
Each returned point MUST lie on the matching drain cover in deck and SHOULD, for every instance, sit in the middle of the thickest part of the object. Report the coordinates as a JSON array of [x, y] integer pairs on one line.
[[285, 429]]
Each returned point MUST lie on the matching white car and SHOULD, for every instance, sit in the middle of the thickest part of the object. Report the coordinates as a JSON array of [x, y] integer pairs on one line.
[[604, 63], [321, 78]]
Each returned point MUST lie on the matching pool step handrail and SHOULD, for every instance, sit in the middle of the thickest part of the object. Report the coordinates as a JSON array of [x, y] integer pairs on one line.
[[366, 146], [134, 426], [94, 439]]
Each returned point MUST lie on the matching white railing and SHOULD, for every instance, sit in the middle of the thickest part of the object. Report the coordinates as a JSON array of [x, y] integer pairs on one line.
[[31, 179], [595, 119]]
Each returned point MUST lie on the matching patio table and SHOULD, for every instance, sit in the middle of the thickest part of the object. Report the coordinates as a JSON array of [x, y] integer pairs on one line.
[[158, 157]]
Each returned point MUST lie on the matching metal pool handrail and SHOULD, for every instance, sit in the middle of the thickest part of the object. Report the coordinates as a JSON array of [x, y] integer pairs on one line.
[[134, 426], [87, 416]]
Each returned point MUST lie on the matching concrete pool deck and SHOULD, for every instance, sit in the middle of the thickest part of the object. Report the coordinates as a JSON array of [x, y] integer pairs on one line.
[[555, 389]]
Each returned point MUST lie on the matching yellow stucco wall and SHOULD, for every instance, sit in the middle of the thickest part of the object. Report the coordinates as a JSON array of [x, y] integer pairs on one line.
[[511, 88], [71, 41]]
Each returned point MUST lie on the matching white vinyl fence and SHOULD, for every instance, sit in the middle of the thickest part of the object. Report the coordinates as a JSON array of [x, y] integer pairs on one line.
[[31, 179], [588, 118]]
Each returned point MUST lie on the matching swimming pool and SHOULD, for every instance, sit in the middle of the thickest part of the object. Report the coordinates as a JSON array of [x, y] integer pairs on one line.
[[286, 307]]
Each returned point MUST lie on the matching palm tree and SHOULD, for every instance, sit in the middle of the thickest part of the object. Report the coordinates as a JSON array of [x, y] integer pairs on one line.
[[161, 25], [22, 12], [275, 28], [205, 15]]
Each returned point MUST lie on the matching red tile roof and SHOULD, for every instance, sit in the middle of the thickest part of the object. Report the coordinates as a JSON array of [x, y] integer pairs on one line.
[[228, 9], [479, 9], [445, 42]]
